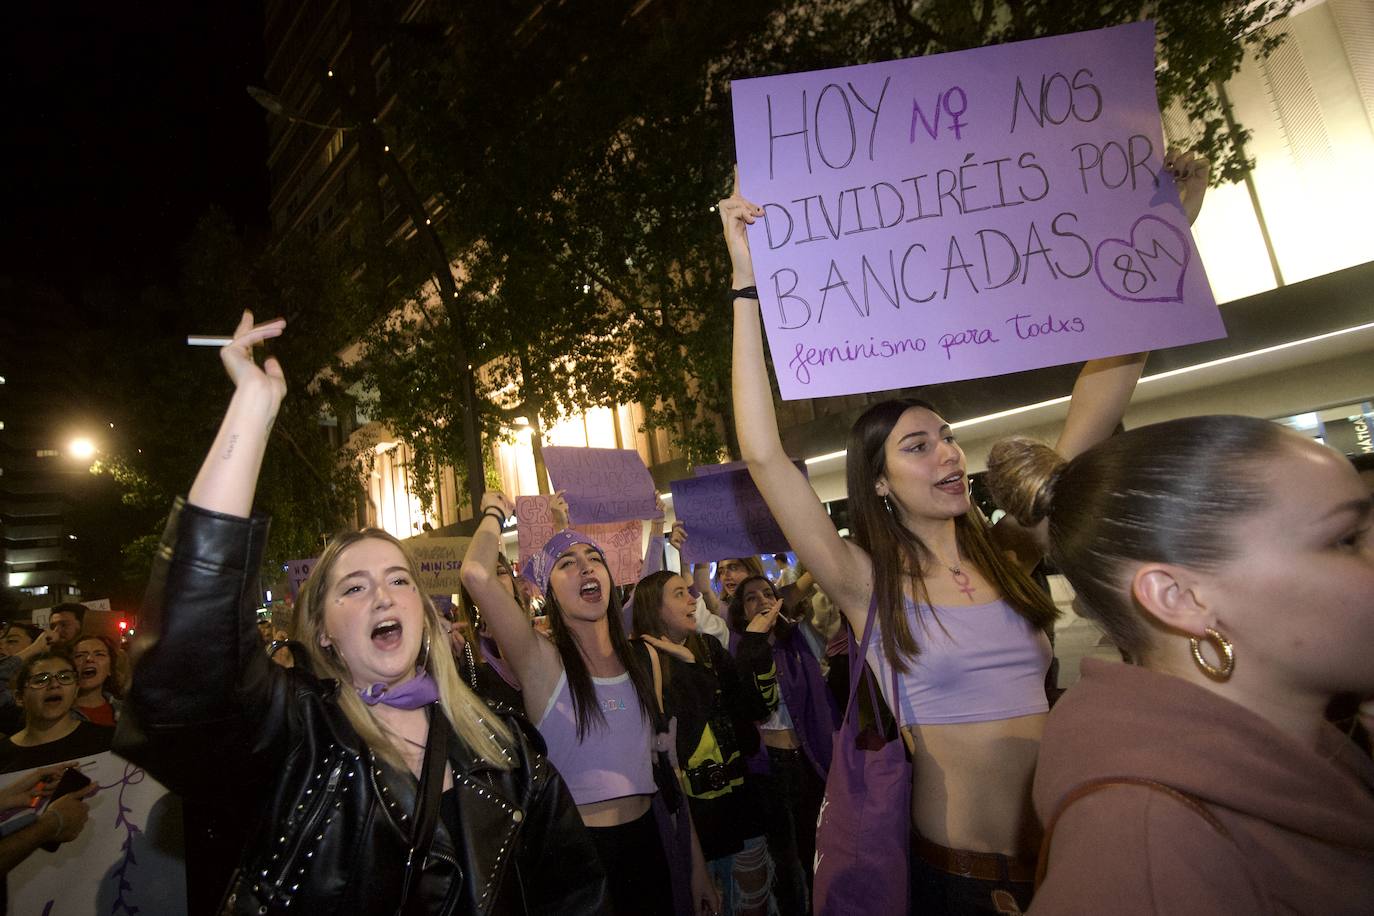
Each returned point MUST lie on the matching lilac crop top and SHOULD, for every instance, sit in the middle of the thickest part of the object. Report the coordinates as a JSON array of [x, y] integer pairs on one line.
[[986, 663], [613, 761]]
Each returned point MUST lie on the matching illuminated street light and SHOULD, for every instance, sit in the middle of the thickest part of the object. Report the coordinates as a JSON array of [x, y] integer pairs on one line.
[[81, 448]]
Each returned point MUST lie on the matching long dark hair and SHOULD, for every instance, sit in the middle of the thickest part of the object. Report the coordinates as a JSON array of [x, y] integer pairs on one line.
[[586, 709], [647, 619], [898, 556], [1166, 493], [738, 620]]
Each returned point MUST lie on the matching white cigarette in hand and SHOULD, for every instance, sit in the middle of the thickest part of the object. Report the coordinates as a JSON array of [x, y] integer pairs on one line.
[[201, 340]]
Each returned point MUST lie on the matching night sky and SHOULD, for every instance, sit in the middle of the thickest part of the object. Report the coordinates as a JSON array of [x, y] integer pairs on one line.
[[125, 122]]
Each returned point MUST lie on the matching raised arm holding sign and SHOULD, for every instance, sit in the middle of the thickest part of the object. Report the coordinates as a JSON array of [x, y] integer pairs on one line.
[[602, 484], [923, 563], [966, 214]]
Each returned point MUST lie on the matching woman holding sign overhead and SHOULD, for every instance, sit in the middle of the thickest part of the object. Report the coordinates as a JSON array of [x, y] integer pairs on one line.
[[953, 625]]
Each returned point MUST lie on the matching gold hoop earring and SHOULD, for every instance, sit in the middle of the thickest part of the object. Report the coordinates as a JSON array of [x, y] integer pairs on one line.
[[1224, 649], [424, 655]]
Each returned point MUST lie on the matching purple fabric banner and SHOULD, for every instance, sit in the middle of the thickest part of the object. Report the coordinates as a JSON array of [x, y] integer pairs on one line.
[[966, 214], [602, 484], [725, 517]]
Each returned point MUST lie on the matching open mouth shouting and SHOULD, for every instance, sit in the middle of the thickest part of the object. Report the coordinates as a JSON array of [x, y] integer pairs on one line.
[[89, 673], [590, 591], [953, 484], [386, 635]]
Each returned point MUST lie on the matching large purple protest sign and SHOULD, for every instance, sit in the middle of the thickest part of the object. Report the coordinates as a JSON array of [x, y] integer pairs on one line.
[[725, 516], [966, 214], [602, 484]]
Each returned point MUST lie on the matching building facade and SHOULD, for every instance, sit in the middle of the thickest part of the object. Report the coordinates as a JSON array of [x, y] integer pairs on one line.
[[1287, 254]]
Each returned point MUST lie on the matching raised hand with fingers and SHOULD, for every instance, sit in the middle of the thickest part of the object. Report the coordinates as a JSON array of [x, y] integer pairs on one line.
[[497, 501], [229, 475], [765, 619], [558, 508], [669, 647], [736, 214], [1191, 173], [238, 361]]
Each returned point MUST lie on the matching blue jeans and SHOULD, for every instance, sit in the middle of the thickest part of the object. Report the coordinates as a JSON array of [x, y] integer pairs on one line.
[[745, 880]]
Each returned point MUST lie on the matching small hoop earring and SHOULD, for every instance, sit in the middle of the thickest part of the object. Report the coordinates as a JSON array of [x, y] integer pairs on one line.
[[888, 503], [1224, 649]]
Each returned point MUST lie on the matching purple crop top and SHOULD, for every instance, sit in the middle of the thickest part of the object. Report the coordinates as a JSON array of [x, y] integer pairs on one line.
[[614, 761], [986, 663]]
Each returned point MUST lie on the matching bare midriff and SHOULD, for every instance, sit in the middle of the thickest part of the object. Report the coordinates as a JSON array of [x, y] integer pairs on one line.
[[971, 784], [782, 738], [614, 811]]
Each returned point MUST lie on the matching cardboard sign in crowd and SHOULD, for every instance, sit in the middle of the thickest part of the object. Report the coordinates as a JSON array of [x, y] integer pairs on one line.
[[966, 214]]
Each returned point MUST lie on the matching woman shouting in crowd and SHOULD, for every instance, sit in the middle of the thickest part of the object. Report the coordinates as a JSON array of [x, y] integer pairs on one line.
[[594, 703], [377, 784]]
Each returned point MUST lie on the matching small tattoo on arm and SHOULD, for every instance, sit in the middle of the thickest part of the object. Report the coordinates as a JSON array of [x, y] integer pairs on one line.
[[229, 450]]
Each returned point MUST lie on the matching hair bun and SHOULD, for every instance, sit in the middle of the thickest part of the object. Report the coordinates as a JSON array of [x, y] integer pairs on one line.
[[1022, 475]]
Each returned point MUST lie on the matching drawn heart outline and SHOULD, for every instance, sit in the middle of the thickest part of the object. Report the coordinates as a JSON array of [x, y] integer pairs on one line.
[[1132, 246]]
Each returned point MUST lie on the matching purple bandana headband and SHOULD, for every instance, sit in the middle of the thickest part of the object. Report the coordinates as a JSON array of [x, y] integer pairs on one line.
[[421, 690], [541, 564]]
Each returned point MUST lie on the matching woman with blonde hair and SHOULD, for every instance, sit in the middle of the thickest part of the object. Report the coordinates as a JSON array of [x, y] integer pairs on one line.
[[376, 781]]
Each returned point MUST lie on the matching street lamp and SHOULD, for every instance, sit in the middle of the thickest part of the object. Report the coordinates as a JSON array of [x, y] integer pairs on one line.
[[274, 105], [81, 448]]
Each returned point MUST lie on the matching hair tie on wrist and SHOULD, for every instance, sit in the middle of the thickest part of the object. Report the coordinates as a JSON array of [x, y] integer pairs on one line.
[[747, 292], [499, 516]]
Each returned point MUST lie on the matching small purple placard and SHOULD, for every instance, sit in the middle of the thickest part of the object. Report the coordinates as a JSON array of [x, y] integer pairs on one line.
[[602, 484], [725, 516], [967, 214]]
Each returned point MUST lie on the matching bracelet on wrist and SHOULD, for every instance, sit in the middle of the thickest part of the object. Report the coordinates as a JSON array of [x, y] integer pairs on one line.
[[61, 823], [496, 514], [744, 292]]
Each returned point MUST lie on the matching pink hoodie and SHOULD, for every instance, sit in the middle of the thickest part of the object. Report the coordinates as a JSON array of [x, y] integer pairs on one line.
[[1301, 821]]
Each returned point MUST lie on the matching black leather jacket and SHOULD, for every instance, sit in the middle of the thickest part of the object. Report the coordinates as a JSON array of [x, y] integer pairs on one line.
[[210, 715]]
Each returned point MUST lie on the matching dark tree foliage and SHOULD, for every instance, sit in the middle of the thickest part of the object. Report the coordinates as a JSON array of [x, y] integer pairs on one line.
[[570, 156], [573, 153], [171, 399]]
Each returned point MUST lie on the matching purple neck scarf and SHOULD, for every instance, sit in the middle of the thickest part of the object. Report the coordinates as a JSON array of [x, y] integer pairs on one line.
[[414, 693]]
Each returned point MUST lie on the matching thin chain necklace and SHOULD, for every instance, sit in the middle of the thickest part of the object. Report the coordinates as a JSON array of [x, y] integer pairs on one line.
[[961, 578]]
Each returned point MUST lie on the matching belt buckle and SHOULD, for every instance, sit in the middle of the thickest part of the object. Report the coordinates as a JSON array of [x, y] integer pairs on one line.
[[962, 861]]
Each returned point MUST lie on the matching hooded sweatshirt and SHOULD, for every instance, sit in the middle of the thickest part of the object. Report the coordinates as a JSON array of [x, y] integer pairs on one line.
[[1300, 819]]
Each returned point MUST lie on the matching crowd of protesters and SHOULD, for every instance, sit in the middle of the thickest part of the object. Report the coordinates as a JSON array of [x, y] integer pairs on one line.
[[553, 741]]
